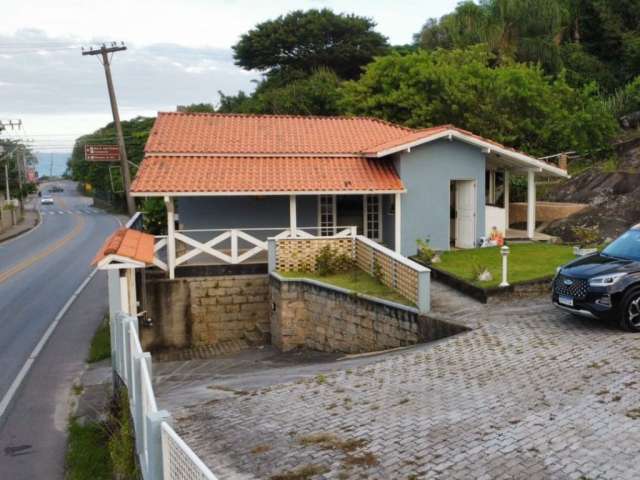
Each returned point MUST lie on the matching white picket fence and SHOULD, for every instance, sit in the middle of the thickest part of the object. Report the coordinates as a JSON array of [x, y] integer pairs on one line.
[[162, 454]]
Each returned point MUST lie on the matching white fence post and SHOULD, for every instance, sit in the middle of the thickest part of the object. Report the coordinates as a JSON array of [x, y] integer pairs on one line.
[[154, 446], [424, 291], [271, 255]]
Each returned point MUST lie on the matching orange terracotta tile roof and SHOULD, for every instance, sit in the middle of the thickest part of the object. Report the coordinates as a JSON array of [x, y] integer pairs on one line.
[[182, 174], [267, 134], [405, 139], [211, 153], [128, 243]]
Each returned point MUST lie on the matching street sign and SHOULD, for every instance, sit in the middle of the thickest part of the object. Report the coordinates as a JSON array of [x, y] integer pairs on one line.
[[101, 153]]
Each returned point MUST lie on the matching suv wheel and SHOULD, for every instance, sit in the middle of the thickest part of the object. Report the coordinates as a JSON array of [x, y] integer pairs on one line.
[[631, 311]]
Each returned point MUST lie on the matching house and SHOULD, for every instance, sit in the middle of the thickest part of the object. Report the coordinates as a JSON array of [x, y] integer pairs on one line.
[[231, 181]]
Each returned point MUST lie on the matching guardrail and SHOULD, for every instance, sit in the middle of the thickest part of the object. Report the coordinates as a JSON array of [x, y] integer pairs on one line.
[[162, 454]]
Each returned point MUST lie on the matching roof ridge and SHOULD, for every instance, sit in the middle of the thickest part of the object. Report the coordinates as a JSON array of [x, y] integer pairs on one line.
[[285, 115]]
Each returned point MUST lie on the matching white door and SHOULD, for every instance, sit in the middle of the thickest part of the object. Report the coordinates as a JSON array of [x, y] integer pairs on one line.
[[465, 213]]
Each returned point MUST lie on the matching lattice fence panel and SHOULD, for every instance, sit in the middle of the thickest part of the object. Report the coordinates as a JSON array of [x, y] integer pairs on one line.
[[396, 275], [180, 462], [299, 254]]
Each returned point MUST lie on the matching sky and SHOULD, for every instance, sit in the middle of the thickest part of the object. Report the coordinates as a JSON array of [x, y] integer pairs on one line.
[[178, 52]]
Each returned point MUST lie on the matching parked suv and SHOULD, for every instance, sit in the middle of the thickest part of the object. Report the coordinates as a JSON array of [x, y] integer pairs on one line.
[[604, 285]]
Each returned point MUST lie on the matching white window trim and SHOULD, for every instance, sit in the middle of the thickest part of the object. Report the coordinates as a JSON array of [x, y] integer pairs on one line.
[[333, 214], [365, 212]]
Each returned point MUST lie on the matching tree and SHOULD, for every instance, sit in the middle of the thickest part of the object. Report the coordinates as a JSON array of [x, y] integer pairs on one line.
[[516, 104], [598, 39], [99, 175], [317, 94], [306, 41], [196, 108]]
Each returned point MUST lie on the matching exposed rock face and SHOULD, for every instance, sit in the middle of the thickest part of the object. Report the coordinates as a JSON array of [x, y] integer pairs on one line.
[[613, 198]]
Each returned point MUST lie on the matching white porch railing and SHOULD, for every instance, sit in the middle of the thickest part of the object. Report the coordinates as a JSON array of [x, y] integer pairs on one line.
[[235, 245], [162, 454]]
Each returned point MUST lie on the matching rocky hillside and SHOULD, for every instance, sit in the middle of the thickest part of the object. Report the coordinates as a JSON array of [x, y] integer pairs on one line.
[[612, 193]]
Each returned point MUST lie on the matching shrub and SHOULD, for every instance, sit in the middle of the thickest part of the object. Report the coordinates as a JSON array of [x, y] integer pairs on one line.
[[478, 271], [586, 236], [330, 261], [425, 252]]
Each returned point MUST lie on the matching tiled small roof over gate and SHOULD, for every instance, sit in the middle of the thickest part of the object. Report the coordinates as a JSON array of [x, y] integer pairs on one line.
[[127, 243]]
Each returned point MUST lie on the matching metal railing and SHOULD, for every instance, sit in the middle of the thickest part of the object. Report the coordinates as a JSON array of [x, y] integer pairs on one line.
[[162, 454]]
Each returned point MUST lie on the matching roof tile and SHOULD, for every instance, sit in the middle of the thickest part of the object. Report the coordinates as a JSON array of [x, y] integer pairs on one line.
[[169, 174], [267, 134], [129, 243]]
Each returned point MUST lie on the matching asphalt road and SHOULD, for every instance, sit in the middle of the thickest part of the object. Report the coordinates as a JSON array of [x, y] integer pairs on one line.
[[39, 272]]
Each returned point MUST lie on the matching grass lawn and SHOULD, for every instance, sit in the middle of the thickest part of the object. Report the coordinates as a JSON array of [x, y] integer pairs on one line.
[[100, 344], [357, 281], [527, 261]]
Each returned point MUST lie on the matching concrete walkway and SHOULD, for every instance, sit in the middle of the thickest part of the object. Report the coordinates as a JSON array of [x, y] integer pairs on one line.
[[530, 393]]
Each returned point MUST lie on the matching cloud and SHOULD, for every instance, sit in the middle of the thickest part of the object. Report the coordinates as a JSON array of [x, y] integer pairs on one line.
[[40, 74]]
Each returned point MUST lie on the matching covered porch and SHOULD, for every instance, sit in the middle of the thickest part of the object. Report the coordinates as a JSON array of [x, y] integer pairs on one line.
[[235, 230], [500, 170]]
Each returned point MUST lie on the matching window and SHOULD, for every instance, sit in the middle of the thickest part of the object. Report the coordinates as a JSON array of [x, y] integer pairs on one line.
[[372, 217], [327, 214]]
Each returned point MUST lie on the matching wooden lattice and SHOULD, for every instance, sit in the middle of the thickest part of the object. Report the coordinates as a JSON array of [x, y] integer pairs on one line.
[[299, 254], [394, 274]]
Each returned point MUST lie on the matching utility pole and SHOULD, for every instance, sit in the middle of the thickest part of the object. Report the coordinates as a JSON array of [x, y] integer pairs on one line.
[[106, 53]]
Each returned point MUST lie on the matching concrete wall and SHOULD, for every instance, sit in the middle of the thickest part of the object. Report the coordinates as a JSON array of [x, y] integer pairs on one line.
[[426, 172], [188, 312], [308, 315]]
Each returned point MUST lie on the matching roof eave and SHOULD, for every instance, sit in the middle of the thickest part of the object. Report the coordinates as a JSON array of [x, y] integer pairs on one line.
[[266, 193], [526, 160]]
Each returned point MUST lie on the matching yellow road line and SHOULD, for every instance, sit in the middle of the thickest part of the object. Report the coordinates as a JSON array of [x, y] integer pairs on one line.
[[4, 276]]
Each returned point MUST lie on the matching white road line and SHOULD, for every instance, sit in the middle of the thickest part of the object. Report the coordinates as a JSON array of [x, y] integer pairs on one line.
[[13, 389]]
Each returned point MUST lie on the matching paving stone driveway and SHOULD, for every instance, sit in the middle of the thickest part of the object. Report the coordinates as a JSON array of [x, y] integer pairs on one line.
[[530, 393]]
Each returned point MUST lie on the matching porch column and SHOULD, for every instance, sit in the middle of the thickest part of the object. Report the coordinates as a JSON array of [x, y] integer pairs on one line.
[[171, 237], [398, 225], [293, 216], [507, 190], [531, 204]]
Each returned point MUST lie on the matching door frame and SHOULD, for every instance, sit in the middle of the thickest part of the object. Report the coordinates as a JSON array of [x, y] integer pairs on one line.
[[470, 242], [365, 214]]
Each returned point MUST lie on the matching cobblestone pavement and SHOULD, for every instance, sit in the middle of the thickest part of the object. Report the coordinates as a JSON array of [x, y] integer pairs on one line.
[[530, 393]]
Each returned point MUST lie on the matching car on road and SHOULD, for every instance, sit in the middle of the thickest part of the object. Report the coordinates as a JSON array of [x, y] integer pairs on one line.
[[56, 189], [46, 200], [604, 285]]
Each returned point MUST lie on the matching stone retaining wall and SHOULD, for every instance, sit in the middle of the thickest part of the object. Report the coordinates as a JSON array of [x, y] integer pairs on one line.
[[545, 211], [189, 312], [305, 314]]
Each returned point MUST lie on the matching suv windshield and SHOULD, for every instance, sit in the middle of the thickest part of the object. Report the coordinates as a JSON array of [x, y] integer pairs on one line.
[[627, 246]]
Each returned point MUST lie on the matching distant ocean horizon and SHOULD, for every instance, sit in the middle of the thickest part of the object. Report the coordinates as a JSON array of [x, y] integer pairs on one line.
[[54, 163]]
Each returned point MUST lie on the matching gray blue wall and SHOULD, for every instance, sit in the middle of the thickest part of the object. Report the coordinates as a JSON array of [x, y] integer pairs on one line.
[[245, 212], [426, 172]]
